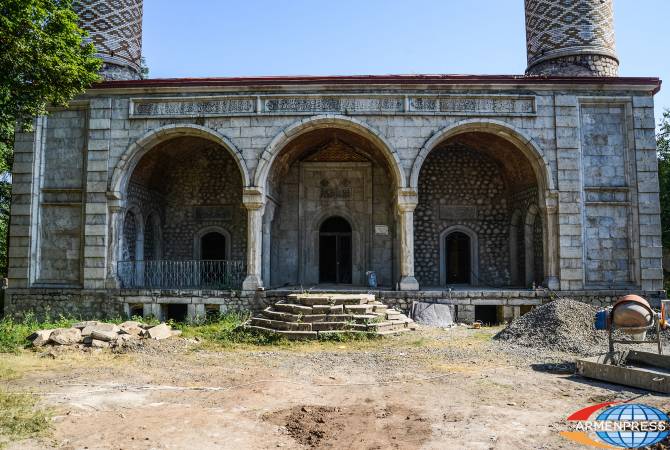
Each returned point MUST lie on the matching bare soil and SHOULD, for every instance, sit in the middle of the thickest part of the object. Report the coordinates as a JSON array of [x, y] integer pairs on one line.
[[431, 389]]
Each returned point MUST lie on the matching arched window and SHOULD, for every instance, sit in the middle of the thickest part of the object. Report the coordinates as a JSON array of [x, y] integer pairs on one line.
[[212, 243], [213, 246], [335, 251]]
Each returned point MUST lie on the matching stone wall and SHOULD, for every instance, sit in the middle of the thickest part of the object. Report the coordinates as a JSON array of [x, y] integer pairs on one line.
[[460, 186], [198, 187]]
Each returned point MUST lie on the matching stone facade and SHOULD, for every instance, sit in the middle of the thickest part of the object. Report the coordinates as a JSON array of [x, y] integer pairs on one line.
[[552, 180]]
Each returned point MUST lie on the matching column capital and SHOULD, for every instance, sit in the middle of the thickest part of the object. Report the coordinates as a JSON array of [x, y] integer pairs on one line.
[[253, 198], [407, 199]]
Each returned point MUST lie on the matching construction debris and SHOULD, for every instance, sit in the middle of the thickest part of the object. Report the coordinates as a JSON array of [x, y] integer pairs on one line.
[[101, 335], [562, 325], [309, 316]]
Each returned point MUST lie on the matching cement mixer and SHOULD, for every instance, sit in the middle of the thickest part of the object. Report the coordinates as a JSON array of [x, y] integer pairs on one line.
[[633, 316]]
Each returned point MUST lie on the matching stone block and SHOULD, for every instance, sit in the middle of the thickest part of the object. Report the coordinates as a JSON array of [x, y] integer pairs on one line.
[[65, 336]]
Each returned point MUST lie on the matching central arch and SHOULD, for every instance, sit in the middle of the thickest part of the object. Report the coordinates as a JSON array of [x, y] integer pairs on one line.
[[298, 128], [327, 166]]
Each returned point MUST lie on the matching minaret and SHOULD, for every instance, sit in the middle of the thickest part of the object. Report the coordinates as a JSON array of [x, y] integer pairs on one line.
[[571, 38], [115, 26]]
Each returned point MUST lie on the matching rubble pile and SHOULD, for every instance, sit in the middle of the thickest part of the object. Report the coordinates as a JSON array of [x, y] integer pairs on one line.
[[101, 335], [562, 325]]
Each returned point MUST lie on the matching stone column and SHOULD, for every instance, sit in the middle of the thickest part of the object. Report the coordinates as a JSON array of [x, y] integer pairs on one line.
[[268, 217], [407, 200], [115, 230], [551, 245], [254, 202]]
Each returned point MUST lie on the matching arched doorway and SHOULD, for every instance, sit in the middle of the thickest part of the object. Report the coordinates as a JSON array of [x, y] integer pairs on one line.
[[335, 251], [458, 258], [213, 246]]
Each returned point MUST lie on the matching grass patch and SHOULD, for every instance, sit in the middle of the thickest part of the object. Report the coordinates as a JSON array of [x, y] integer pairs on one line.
[[21, 418], [13, 333], [226, 330]]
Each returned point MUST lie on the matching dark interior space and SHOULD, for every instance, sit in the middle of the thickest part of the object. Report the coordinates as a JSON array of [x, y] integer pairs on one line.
[[175, 312], [335, 251], [487, 314], [213, 246], [458, 258]]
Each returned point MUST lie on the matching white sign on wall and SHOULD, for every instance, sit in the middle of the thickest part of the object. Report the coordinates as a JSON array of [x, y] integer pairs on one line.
[[382, 230]]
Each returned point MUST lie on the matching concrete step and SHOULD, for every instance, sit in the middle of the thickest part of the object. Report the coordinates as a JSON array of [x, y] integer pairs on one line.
[[330, 299], [288, 317], [280, 325], [330, 326], [359, 309], [292, 308], [287, 334], [365, 318]]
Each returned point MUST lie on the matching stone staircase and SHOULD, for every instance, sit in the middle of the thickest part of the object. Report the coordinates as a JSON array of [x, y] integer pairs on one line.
[[308, 316]]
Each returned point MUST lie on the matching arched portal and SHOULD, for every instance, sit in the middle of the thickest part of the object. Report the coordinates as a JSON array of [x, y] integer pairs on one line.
[[335, 251], [335, 167], [458, 258], [189, 188], [483, 182]]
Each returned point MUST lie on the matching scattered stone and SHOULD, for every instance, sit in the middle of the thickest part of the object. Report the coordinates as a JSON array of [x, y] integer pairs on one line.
[[161, 331], [95, 343], [88, 335], [131, 327], [40, 338], [65, 336], [84, 324], [102, 335]]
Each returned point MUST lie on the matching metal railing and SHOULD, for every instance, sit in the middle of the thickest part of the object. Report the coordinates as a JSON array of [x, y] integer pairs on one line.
[[188, 274]]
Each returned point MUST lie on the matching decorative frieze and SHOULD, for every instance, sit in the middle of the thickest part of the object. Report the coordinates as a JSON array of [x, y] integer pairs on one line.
[[190, 107], [352, 104], [474, 105], [334, 104]]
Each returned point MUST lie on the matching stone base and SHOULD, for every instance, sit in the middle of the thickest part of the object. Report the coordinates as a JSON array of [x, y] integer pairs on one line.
[[408, 284], [252, 283], [117, 303]]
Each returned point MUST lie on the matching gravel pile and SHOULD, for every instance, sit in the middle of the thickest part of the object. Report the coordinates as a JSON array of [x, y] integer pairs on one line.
[[562, 325]]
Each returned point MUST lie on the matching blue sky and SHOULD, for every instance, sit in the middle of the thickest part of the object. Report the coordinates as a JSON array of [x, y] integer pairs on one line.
[[202, 38]]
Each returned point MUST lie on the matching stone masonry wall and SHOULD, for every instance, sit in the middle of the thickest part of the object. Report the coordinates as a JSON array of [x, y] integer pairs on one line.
[[454, 177]]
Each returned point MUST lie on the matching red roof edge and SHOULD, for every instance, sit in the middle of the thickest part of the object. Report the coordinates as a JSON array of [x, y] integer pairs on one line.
[[375, 79]]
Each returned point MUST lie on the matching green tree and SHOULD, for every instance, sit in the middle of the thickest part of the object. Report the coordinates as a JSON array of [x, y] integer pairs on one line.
[[663, 149], [44, 59]]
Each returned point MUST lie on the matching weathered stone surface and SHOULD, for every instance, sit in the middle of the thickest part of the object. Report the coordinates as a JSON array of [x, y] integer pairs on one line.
[[40, 337], [84, 324], [66, 336], [433, 314], [96, 343], [101, 326], [131, 327], [161, 331], [103, 335]]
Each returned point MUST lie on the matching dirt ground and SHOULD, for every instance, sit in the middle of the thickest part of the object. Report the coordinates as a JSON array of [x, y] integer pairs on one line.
[[429, 389]]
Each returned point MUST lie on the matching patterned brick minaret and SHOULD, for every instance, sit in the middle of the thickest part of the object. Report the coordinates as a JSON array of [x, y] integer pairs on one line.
[[571, 38], [115, 27]]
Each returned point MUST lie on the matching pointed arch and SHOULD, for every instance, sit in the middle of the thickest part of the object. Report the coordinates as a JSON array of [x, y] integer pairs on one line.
[[132, 156], [281, 140]]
